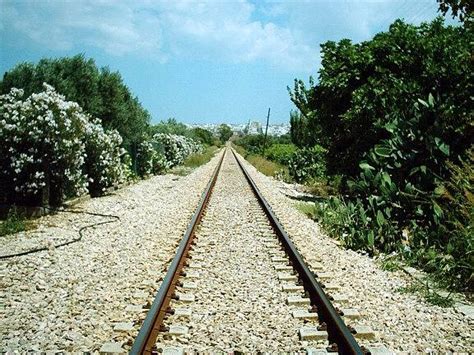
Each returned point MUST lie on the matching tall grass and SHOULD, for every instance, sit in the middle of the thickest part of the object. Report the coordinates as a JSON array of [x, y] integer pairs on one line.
[[196, 160], [263, 165], [13, 224]]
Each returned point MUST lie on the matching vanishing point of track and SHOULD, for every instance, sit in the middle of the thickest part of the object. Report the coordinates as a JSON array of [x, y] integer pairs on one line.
[[315, 305]]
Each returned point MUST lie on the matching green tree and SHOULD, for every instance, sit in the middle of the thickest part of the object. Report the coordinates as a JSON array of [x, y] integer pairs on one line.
[[363, 88], [225, 132], [99, 92], [462, 8], [170, 126], [394, 115], [203, 135]]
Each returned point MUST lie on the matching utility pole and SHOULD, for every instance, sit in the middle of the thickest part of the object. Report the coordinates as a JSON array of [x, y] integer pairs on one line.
[[266, 131]]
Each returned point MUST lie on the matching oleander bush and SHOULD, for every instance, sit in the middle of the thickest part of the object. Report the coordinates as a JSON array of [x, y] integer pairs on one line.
[[172, 126], [104, 160], [99, 91], [51, 149], [175, 148], [149, 161]]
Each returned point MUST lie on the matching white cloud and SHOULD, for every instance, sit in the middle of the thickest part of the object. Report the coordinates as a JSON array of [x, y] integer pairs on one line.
[[161, 29], [285, 34], [227, 30], [116, 28]]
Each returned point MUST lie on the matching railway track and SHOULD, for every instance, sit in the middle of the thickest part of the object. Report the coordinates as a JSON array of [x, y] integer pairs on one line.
[[237, 282]]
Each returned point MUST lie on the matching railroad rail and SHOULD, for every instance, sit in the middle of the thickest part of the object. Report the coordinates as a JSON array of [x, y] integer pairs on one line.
[[339, 335]]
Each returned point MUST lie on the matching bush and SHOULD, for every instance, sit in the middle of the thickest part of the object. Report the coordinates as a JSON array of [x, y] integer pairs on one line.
[[307, 163], [265, 166], [99, 92], [280, 153], [202, 135], [225, 132], [395, 116], [252, 143], [451, 253], [175, 149], [195, 160], [103, 163], [42, 148], [170, 126], [365, 88], [49, 148], [148, 160]]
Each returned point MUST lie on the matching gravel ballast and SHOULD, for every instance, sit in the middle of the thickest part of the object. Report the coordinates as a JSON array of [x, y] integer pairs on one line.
[[93, 295], [239, 304], [403, 321], [92, 292]]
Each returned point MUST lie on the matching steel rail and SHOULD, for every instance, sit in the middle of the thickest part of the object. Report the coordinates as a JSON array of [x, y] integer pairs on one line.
[[146, 338], [337, 330]]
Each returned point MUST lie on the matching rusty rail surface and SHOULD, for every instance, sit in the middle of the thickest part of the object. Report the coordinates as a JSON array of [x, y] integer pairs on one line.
[[145, 340], [337, 330]]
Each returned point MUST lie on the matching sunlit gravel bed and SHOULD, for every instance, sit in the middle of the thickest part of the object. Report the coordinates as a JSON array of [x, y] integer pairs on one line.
[[239, 303], [92, 292], [402, 321]]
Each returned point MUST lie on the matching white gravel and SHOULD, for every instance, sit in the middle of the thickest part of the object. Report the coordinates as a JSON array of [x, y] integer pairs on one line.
[[239, 303], [71, 298], [403, 322]]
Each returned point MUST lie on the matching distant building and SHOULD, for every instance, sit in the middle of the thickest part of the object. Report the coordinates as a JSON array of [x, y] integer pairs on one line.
[[252, 127]]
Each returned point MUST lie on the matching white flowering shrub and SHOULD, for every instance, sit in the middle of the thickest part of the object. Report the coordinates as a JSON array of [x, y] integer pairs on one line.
[[43, 152], [148, 159], [104, 167], [176, 148], [42, 145], [127, 166], [144, 158], [159, 163]]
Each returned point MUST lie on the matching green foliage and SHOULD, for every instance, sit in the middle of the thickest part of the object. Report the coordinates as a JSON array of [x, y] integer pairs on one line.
[[462, 8], [225, 132], [307, 163], [306, 208], [99, 92], [170, 126], [299, 126], [390, 264], [196, 160], [429, 294], [280, 153], [395, 116], [149, 161], [364, 88], [241, 150], [103, 164], [252, 143], [174, 148], [263, 165], [202, 135], [13, 224], [52, 150]]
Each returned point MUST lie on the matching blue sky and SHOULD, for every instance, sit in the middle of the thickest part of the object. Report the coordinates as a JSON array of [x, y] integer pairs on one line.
[[200, 62]]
